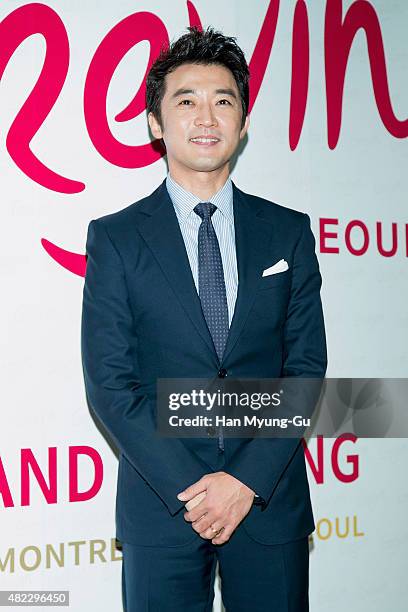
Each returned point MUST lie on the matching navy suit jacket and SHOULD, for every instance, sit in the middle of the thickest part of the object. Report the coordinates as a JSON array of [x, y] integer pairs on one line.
[[142, 320]]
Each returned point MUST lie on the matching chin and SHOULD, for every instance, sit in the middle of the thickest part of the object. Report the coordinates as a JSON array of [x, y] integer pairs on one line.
[[207, 165]]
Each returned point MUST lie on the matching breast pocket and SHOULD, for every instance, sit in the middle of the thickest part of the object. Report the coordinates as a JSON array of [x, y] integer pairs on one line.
[[271, 300], [274, 280]]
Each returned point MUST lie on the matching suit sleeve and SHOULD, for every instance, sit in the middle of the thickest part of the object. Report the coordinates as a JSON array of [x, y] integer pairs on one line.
[[111, 375], [261, 462]]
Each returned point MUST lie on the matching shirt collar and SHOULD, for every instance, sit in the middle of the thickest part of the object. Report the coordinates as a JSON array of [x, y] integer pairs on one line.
[[184, 201]]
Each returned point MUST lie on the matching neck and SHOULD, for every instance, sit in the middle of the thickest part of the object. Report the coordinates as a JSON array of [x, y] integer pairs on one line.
[[202, 184]]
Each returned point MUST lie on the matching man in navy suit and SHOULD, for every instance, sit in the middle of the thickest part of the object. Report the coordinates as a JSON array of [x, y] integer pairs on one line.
[[175, 288]]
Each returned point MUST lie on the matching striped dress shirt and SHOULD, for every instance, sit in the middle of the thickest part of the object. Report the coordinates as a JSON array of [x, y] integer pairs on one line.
[[223, 223]]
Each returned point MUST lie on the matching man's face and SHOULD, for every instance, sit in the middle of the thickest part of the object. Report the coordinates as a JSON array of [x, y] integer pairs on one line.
[[201, 118]]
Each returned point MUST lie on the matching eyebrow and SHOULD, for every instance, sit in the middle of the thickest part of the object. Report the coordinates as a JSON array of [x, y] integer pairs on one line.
[[225, 91]]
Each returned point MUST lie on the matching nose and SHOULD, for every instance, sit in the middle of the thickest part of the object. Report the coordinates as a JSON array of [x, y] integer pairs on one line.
[[205, 116]]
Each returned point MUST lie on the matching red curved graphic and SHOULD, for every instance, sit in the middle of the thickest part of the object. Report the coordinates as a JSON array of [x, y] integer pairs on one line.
[[125, 35], [262, 51], [300, 73], [25, 21], [193, 16], [338, 38], [73, 262]]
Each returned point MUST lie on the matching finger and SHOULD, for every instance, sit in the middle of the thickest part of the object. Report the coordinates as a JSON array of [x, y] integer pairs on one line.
[[195, 515], [195, 501], [192, 490], [202, 525], [212, 531], [224, 536], [197, 512]]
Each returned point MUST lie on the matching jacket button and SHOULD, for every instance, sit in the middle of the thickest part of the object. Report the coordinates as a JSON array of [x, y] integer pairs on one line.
[[222, 373]]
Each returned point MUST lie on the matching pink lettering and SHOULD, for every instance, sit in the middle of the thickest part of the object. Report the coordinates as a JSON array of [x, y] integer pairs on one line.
[[324, 235], [317, 467], [25, 21], [351, 459], [366, 238], [338, 38], [300, 73], [74, 452], [390, 252], [29, 461], [4, 488]]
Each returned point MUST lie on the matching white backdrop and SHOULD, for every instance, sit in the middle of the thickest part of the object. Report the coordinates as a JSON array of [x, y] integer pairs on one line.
[[358, 549]]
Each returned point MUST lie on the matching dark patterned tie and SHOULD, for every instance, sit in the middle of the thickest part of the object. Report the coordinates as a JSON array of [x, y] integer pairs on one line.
[[211, 285]]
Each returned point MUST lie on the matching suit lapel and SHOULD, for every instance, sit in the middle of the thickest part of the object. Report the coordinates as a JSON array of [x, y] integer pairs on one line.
[[253, 234], [160, 229]]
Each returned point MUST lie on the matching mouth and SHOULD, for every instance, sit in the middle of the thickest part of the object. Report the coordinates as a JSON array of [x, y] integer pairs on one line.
[[205, 141]]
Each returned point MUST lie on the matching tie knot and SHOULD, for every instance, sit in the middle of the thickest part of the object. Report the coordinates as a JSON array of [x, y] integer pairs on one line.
[[205, 209]]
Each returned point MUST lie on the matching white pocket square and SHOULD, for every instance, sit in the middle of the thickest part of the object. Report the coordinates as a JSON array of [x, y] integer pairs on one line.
[[280, 266]]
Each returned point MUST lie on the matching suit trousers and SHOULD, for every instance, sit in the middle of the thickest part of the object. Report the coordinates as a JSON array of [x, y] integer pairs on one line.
[[255, 577]]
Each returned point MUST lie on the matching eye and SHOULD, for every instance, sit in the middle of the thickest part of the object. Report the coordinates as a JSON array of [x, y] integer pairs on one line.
[[182, 102], [224, 100]]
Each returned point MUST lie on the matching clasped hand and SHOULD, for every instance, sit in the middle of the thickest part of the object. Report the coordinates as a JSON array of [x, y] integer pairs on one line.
[[225, 501]]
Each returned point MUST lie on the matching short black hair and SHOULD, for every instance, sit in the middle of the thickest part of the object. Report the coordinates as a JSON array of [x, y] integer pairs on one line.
[[197, 47]]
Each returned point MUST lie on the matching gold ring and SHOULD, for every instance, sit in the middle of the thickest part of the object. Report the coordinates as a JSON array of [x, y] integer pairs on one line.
[[215, 531]]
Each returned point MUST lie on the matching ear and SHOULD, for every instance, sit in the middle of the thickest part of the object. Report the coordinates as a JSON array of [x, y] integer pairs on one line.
[[154, 126], [244, 128]]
